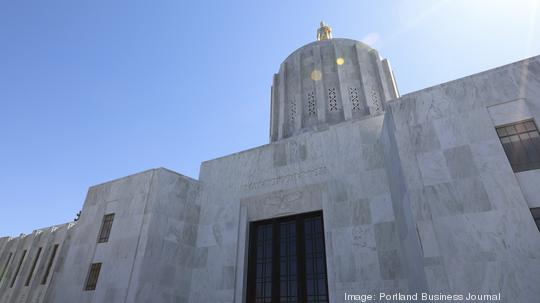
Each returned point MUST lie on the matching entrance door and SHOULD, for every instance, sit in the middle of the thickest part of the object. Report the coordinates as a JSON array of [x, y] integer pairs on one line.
[[287, 260]]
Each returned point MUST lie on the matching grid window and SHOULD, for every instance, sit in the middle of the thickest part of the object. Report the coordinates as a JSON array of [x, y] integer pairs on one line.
[[263, 281], [18, 268], [521, 143], [5, 266], [93, 275], [49, 265], [315, 260], [536, 215], [33, 268], [105, 230], [287, 261]]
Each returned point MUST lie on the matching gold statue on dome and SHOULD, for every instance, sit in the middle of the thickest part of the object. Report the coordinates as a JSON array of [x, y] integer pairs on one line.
[[324, 32]]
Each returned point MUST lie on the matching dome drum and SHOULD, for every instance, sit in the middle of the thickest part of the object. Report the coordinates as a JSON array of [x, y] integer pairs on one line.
[[327, 82]]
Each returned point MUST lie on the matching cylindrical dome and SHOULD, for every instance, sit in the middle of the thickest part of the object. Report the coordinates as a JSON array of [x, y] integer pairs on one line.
[[327, 82]]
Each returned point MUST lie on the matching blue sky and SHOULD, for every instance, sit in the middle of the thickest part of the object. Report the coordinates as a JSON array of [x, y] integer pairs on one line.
[[96, 90]]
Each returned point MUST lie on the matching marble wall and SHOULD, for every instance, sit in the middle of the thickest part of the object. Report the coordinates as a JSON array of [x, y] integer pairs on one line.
[[32, 281], [166, 253], [151, 246], [463, 220], [339, 171]]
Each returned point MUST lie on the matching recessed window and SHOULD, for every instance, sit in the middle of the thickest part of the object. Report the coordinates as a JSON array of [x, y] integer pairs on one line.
[[355, 100], [521, 142], [332, 99], [106, 226], [93, 275], [536, 215], [375, 99], [33, 268], [49, 264], [18, 269], [5, 266], [287, 261], [312, 106], [292, 112]]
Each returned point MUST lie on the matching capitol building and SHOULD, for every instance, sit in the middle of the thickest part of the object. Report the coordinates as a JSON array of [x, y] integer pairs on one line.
[[359, 191]]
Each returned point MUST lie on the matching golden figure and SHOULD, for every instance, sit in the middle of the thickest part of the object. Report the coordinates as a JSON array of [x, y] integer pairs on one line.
[[324, 32]]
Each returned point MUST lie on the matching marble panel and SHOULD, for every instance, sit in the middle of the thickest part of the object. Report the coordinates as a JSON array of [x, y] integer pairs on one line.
[[460, 163], [509, 112], [433, 168]]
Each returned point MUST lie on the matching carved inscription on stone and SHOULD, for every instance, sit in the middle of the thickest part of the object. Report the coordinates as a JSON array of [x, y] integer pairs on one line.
[[22, 298], [300, 199], [283, 201], [362, 237], [286, 179]]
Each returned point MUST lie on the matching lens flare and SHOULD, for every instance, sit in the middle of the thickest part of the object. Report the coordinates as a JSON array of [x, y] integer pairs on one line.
[[340, 61], [316, 75]]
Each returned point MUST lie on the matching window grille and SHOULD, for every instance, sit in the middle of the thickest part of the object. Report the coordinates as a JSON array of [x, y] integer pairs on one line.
[[287, 261], [353, 97], [292, 108], [93, 275], [312, 106], [375, 99], [105, 229], [521, 143], [332, 99]]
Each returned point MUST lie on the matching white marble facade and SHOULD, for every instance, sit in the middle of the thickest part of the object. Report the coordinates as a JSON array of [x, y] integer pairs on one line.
[[416, 192]]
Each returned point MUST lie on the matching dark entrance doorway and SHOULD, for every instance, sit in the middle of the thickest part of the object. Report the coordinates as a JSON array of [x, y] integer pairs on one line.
[[287, 260]]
